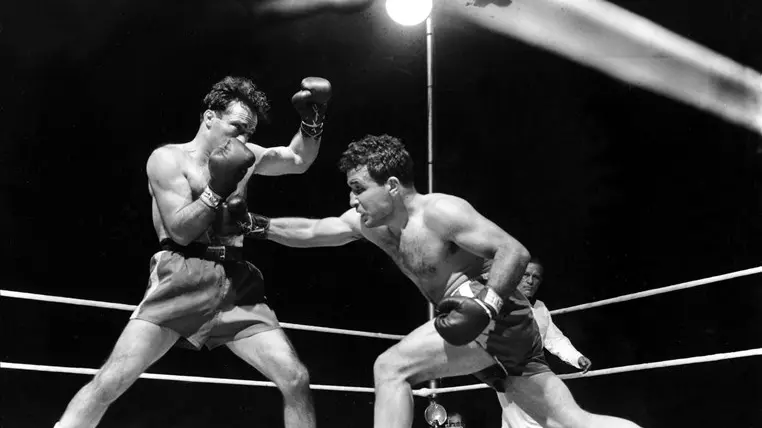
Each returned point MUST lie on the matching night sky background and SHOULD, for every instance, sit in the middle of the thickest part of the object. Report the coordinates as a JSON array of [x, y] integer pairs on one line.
[[618, 190]]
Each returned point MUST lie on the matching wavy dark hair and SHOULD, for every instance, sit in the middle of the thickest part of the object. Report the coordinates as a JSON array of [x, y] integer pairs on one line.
[[384, 156], [231, 89]]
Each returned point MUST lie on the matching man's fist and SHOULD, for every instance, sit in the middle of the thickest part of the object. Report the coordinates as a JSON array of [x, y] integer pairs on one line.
[[230, 216], [252, 225], [461, 319], [311, 102], [227, 166], [584, 364]]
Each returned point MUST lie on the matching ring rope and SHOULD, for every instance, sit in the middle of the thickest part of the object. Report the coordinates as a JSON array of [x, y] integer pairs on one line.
[[626, 297], [423, 392], [661, 290], [192, 379], [614, 370], [124, 307]]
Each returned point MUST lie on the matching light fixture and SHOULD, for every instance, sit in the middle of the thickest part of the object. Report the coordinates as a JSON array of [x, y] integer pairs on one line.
[[409, 12]]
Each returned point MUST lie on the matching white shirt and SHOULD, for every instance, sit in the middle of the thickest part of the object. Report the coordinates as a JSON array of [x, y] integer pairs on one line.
[[557, 344]]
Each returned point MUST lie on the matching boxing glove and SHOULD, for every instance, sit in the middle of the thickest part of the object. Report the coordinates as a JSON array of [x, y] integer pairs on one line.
[[227, 167], [462, 319], [311, 103], [249, 224], [226, 221]]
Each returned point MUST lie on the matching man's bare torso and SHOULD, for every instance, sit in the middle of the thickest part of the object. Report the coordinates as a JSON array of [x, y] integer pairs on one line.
[[197, 176], [434, 264]]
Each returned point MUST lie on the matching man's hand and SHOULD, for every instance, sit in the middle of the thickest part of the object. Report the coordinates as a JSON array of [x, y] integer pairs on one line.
[[311, 103], [584, 364], [462, 319], [227, 166], [234, 219]]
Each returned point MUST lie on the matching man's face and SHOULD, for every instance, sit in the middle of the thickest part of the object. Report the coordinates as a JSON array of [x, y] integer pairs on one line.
[[454, 421], [531, 280], [370, 199], [235, 122]]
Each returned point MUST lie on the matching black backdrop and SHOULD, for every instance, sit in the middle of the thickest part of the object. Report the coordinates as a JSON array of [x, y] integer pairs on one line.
[[616, 189]]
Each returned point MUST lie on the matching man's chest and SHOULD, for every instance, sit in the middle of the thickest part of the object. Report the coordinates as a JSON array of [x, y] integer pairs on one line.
[[416, 250], [198, 179]]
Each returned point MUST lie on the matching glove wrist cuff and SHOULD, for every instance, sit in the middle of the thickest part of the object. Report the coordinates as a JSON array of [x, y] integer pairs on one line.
[[314, 130], [491, 299], [257, 228], [312, 126], [210, 199]]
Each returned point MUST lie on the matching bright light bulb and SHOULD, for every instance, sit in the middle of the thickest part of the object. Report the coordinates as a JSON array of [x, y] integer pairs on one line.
[[409, 12]]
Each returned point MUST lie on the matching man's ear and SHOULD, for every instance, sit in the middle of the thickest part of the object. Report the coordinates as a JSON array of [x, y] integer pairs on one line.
[[208, 118], [393, 185]]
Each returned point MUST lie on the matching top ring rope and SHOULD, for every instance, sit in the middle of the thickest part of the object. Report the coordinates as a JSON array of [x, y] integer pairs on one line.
[[124, 307], [656, 291]]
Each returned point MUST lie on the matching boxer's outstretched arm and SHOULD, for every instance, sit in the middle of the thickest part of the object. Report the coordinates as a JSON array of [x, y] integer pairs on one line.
[[306, 232], [457, 221], [183, 218]]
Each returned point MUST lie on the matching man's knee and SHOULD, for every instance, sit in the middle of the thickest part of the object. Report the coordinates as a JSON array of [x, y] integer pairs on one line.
[[570, 417], [111, 382], [387, 368], [296, 381]]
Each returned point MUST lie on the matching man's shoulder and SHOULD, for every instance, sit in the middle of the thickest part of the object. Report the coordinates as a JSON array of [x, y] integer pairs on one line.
[[168, 155], [170, 147], [443, 209], [443, 202]]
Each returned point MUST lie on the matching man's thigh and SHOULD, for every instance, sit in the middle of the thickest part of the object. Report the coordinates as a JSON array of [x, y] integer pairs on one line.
[[423, 354], [140, 344], [546, 398], [271, 353]]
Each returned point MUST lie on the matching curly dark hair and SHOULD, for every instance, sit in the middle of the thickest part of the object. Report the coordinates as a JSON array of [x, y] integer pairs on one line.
[[383, 155], [231, 89]]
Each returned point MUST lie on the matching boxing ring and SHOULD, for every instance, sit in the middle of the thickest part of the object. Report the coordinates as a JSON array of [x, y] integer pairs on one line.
[[654, 59], [421, 392]]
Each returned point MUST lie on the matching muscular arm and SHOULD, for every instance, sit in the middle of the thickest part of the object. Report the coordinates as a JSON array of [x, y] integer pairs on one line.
[[457, 221], [183, 219], [295, 158], [305, 232]]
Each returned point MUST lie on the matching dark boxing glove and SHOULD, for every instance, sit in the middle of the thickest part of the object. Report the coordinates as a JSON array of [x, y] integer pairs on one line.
[[462, 319], [227, 166], [235, 214], [311, 103]]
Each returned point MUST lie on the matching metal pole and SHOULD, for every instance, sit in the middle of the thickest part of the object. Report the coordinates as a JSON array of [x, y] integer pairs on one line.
[[430, 134], [430, 98]]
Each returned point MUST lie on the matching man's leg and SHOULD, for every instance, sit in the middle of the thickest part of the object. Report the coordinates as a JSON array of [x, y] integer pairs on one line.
[[140, 345], [420, 356], [272, 354], [547, 400], [512, 416]]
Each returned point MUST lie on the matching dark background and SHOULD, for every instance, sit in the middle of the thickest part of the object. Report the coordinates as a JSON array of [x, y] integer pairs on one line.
[[618, 190]]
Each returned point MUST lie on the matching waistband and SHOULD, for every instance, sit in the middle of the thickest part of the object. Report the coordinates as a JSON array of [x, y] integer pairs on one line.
[[464, 288], [215, 253]]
